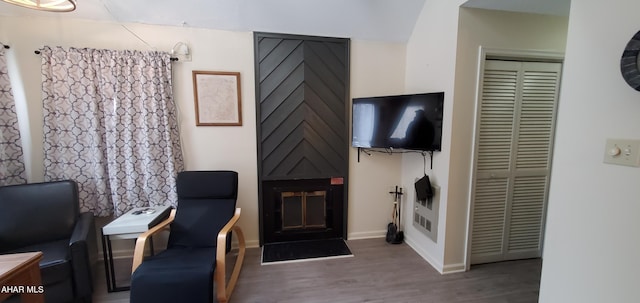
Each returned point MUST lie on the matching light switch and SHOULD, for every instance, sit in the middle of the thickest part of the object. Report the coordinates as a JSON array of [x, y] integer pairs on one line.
[[622, 152]]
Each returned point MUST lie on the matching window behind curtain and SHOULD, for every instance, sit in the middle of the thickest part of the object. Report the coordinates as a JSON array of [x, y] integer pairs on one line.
[[12, 170], [110, 123]]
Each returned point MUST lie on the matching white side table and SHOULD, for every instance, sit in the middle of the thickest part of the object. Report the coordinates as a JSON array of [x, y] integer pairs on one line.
[[128, 226]]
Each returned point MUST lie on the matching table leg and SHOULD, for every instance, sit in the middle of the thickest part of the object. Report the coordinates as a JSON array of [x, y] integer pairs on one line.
[[109, 271], [36, 294]]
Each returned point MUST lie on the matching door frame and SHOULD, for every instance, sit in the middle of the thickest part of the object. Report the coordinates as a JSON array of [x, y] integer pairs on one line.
[[485, 54]]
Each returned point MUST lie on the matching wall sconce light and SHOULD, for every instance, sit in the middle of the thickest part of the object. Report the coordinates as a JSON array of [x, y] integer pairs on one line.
[[46, 5], [181, 52]]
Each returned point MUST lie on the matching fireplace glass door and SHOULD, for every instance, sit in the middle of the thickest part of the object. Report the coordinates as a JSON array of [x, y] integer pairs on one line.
[[303, 210]]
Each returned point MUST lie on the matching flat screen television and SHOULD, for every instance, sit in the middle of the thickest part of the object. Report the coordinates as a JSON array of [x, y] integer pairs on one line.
[[411, 122]]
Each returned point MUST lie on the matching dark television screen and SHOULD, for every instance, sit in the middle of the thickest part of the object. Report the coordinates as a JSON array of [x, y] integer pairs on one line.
[[403, 121]]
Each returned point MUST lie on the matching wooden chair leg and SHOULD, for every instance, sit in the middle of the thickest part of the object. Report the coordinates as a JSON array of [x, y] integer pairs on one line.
[[222, 288], [239, 261]]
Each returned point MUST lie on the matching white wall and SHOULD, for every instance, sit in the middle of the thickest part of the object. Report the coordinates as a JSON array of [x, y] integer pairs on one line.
[[592, 241], [438, 61], [376, 68], [495, 30], [431, 55]]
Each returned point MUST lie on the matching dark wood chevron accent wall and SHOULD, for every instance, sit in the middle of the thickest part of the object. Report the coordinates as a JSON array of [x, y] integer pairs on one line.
[[302, 93]]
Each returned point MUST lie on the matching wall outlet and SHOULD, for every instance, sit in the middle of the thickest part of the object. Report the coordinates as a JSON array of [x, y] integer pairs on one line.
[[622, 152]]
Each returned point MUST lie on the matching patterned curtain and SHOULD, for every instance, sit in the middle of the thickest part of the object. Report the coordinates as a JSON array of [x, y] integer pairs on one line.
[[12, 169], [110, 123]]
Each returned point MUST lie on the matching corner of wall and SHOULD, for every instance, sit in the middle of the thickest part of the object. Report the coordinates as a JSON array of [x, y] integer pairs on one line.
[[426, 255]]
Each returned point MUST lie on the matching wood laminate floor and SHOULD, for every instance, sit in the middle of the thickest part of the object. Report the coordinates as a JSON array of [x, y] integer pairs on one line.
[[378, 272]]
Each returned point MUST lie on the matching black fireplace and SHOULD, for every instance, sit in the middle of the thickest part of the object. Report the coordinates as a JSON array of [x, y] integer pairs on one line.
[[306, 209], [302, 119]]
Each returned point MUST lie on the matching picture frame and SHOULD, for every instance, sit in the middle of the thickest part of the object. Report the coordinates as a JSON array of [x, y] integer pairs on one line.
[[217, 98]]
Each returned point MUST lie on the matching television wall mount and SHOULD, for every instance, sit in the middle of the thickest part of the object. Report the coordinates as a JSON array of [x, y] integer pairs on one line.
[[391, 151]]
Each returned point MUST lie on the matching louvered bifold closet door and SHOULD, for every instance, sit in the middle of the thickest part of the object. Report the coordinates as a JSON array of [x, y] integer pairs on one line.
[[512, 159]]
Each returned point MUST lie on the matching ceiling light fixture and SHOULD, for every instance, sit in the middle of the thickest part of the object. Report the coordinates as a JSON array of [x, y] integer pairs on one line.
[[46, 5]]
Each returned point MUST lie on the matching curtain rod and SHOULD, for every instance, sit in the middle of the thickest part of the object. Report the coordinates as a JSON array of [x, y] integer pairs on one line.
[[37, 52]]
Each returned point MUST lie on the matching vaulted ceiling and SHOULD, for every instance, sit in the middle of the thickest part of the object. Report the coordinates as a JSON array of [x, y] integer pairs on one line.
[[382, 20]]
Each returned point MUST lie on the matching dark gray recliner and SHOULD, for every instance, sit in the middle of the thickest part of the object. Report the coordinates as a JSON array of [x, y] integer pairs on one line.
[[45, 217]]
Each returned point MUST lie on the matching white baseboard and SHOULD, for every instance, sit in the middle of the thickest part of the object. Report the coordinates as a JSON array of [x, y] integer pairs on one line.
[[453, 268], [128, 253], [119, 254], [367, 235], [442, 269], [250, 244], [424, 254]]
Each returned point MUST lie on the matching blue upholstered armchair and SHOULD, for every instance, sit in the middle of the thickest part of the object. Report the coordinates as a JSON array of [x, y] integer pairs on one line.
[[199, 238]]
